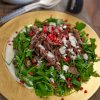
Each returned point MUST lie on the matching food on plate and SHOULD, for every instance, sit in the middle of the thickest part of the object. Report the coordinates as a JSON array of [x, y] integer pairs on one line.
[[54, 57]]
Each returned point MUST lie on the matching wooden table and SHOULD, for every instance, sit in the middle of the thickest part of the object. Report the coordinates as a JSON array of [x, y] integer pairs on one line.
[[93, 13]]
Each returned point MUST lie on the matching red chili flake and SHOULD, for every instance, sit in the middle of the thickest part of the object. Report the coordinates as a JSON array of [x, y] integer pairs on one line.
[[85, 91], [70, 85], [62, 98], [87, 34], [21, 82], [31, 73], [44, 29], [67, 59], [79, 79], [81, 88], [68, 79], [31, 33]]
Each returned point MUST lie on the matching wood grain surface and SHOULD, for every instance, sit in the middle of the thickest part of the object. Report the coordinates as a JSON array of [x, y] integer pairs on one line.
[[93, 11], [14, 91]]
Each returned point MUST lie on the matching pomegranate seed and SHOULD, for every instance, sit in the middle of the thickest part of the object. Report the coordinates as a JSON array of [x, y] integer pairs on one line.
[[47, 38], [44, 29], [68, 79], [62, 98], [54, 38], [21, 82], [79, 79], [31, 73], [81, 88], [53, 28], [85, 91], [70, 85], [31, 33], [67, 59], [63, 35]]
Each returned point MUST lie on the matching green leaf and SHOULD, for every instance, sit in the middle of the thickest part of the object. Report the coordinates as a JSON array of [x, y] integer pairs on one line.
[[80, 26], [95, 74], [75, 82], [38, 23]]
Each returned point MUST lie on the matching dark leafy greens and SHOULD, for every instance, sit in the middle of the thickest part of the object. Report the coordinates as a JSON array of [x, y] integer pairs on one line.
[[40, 76]]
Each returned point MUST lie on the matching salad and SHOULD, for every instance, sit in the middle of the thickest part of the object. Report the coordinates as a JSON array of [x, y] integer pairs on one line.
[[54, 57]]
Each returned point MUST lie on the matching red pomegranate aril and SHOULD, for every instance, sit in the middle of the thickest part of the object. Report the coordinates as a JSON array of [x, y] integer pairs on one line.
[[79, 79], [44, 29], [16, 32], [22, 82], [70, 85], [53, 28], [54, 38], [81, 88], [63, 35], [62, 98], [85, 91], [67, 59], [47, 38], [68, 79], [31, 33], [31, 73]]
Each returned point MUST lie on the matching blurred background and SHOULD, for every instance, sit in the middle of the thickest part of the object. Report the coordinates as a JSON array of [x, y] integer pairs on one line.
[[90, 14]]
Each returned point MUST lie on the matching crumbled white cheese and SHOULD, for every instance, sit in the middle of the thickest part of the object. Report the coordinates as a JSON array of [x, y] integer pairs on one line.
[[42, 47], [40, 29], [51, 73], [73, 57], [52, 80], [73, 40], [64, 55], [71, 51], [62, 76], [77, 46], [64, 41], [62, 50], [64, 27], [50, 54], [65, 68], [30, 82], [85, 56], [61, 28], [52, 24], [79, 50]]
